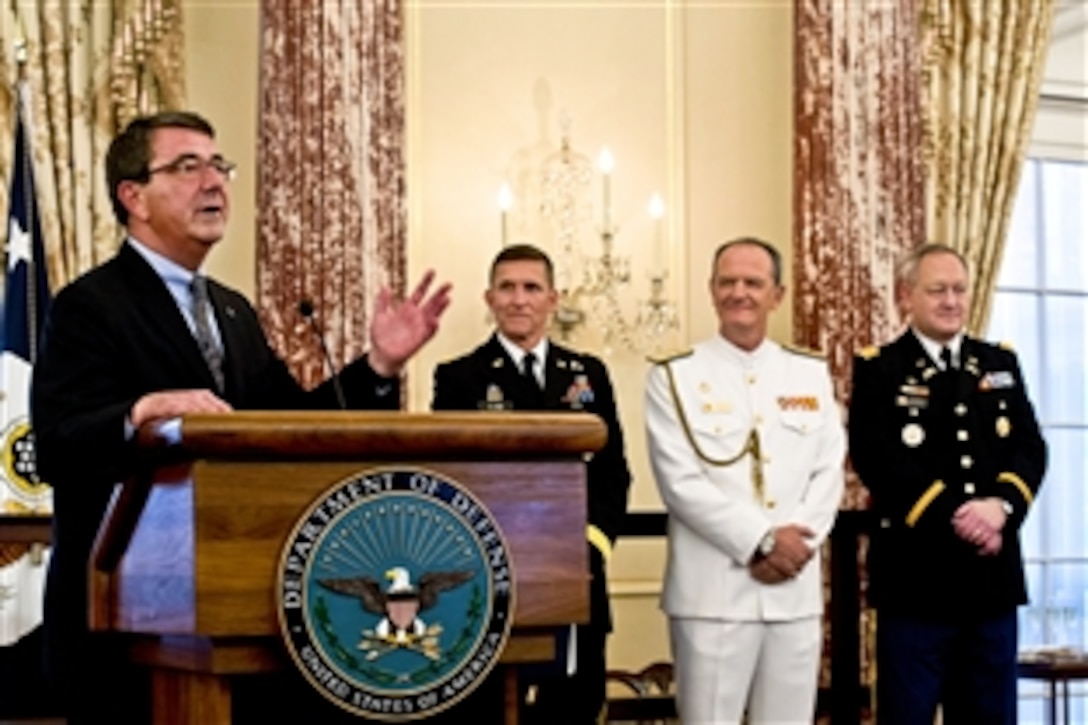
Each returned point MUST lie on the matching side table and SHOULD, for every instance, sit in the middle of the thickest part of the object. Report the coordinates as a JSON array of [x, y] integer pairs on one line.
[[1056, 671]]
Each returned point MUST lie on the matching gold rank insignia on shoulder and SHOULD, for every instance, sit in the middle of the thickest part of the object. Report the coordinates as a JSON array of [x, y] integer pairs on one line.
[[798, 402], [670, 356], [869, 352], [805, 351]]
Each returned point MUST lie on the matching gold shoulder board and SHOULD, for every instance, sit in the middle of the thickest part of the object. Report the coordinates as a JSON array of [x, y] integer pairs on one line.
[[670, 356], [807, 352]]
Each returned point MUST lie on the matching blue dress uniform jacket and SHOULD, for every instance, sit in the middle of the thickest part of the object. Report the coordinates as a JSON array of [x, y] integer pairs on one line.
[[925, 441], [701, 410], [488, 379]]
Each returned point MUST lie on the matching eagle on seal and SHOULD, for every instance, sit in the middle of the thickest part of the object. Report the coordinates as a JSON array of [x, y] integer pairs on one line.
[[402, 602]]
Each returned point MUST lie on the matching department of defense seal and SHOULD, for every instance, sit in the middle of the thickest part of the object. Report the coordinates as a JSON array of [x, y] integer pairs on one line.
[[395, 593]]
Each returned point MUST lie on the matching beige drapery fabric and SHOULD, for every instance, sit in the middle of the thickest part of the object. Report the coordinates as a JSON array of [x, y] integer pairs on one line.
[[91, 66], [331, 206], [982, 70]]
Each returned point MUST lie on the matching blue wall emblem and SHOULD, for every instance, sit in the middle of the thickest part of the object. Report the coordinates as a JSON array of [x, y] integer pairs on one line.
[[395, 593]]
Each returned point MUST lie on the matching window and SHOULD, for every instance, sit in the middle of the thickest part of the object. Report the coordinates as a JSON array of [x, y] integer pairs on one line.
[[1041, 306]]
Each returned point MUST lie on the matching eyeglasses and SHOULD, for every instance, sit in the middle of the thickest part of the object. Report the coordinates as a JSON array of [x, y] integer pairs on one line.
[[193, 167]]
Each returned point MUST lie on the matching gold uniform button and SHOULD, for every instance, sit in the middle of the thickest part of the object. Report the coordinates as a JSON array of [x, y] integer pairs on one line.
[[966, 461], [751, 379], [707, 407], [770, 504], [1001, 404], [969, 489], [961, 435], [960, 409]]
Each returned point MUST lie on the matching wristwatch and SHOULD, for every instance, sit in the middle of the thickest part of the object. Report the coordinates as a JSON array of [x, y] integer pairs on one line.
[[766, 544]]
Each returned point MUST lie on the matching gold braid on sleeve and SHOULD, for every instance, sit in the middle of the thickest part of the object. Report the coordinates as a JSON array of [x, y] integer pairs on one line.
[[751, 445]]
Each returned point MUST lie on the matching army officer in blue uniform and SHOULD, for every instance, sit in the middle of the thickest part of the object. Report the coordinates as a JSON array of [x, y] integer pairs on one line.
[[519, 368], [944, 436]]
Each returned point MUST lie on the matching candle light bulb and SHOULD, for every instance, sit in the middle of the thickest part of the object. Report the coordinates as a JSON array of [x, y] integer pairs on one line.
[[605, 162], [657, 207]]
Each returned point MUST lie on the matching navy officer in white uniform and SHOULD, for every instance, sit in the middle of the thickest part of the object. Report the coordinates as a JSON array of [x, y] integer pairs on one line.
[[747, 446]]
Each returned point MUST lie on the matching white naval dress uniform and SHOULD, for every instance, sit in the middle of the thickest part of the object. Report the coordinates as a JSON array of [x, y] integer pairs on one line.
[[737, 643]]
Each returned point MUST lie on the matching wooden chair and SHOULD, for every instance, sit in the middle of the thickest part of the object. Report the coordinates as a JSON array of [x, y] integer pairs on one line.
[[652, 700]]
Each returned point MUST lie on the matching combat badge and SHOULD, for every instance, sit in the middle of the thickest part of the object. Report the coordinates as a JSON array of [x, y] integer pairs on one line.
[[395, 593], [913, 435], [494, 399]]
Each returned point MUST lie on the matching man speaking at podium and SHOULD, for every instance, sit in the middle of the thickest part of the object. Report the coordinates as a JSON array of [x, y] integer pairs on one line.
[[145, 337], [519, 368]]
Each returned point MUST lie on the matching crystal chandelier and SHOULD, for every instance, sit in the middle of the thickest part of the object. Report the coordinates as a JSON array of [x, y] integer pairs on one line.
[[590, 284]]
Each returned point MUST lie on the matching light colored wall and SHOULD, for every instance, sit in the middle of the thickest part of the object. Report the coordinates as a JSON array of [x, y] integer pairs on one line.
[[693, 99], [221, 43]]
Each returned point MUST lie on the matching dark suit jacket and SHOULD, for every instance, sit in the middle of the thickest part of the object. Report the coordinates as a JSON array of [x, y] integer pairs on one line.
[[488, 378], [926, 441], [112, 336]]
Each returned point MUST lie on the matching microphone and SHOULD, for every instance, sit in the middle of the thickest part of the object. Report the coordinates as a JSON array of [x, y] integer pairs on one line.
[[306, 309]]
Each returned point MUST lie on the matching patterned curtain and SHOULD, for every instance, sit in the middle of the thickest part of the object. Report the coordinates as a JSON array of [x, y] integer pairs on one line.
[[982, 72], [857, 176], [91, 66], [858, 197], [332, 217]]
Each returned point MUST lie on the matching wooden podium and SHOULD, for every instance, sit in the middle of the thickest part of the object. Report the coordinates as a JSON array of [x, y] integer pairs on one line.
[[186, 560]]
